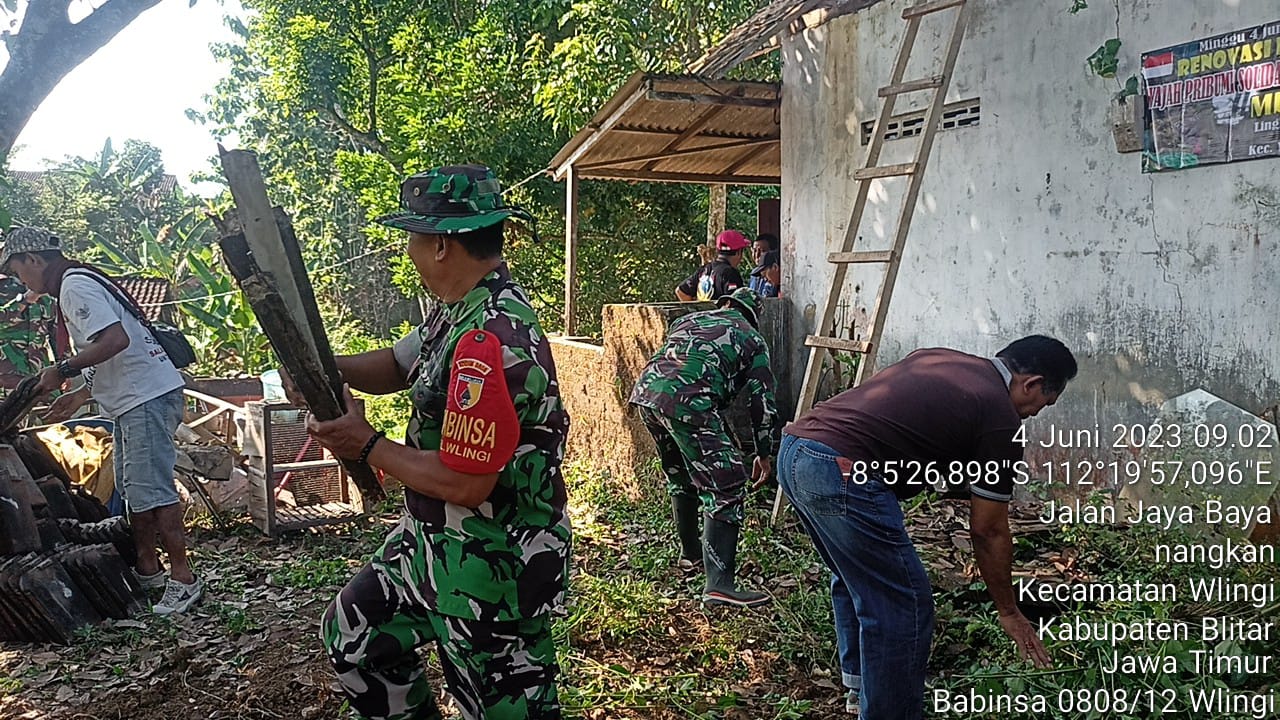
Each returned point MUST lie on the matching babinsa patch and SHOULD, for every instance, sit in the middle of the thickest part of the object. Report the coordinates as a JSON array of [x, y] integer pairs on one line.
[[481, 428]]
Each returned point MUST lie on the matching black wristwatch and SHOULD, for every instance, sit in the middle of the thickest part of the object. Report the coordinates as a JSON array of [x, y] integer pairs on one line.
[[65, 369]]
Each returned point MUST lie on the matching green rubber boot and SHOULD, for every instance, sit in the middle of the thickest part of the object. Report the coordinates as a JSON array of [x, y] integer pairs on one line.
[[720, 555], [685, 510]]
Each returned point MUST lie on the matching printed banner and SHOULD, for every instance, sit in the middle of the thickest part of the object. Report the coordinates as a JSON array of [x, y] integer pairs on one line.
[[1213, 101]]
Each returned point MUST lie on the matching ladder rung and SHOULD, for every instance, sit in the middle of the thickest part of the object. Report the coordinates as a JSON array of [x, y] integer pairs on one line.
[[928, 83], [876, 256], [832, 343], [933, 6], [885, 171]]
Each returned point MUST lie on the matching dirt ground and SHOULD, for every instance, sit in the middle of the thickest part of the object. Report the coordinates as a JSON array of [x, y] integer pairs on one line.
[[250, 649]]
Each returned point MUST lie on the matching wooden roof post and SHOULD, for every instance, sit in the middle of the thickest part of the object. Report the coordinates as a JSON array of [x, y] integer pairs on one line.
[[571, 251], [717, 208]]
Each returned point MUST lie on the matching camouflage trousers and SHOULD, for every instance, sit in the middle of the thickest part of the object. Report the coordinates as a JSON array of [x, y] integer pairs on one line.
[[699, 461], [493, 670]]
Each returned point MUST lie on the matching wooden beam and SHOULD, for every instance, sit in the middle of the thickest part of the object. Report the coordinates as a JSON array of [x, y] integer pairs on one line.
[[258, 223], [681, 177], [682, 152], [211, 400], [712, 99], [710, 134], [693, 129], [598, 132], [286, 337], [746, 158], [932, 6], [206, 418], [717, 209], [571, 251]]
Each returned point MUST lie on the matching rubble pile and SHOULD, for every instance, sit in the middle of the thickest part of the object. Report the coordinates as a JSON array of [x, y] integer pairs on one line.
[[62, 564]]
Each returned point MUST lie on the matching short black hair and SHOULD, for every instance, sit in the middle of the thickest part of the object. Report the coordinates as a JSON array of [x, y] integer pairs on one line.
[[730, 253], [1041, 355], [769, 239], [482, 244]]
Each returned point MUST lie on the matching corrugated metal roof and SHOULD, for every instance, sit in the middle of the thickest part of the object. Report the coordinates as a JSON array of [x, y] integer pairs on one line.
[[760, 33], [681, 128]]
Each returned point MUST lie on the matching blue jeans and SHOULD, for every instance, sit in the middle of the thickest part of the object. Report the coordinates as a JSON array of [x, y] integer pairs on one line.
[[880, 593]]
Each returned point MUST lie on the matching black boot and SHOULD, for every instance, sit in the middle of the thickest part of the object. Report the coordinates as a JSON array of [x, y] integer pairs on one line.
[[720, 555], [685, 510]]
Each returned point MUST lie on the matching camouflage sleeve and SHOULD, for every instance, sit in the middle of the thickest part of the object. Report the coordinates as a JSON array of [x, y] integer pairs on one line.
[[760, 383], [523, 363]]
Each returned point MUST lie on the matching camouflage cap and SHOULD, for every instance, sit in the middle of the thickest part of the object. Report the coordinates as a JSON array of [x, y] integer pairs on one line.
[[451, 200], [747, 301], [25, 240]]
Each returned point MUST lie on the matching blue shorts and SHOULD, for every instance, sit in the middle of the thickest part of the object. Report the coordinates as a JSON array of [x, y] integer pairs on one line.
[[145, 453]]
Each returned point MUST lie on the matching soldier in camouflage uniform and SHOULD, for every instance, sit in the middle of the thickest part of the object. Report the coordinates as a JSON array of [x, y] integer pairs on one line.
[[681, 395], [26, 329], [479, 562]]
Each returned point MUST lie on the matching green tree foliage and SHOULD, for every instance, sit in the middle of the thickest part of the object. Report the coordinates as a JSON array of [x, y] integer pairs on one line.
[[341, 99], [120, 211]]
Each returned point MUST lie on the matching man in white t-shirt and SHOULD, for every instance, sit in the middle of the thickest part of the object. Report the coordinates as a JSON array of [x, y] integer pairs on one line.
[[129, 375]]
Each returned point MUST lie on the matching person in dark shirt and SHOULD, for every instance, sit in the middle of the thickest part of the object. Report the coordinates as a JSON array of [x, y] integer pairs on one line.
[[719, 277], [938, 415]]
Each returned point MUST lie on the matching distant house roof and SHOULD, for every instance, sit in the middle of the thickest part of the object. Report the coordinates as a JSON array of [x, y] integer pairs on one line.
[[153, 294], [761, 33], [168, 183], [681, 128]]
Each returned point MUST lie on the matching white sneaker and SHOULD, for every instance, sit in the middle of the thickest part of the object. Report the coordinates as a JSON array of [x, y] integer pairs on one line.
[[150, 582], [178, 597], [851, 702]]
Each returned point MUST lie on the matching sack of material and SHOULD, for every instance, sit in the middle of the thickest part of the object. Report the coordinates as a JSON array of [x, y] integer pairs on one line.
[[175, 344]]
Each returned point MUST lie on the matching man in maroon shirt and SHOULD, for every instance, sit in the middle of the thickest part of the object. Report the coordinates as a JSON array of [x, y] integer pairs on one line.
[[937, 417]]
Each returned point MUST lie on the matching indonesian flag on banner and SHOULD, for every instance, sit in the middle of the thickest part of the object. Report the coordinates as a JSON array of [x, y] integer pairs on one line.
[[1157, 66]]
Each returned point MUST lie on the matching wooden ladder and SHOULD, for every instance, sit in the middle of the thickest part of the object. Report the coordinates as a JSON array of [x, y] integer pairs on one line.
[[824, 339]]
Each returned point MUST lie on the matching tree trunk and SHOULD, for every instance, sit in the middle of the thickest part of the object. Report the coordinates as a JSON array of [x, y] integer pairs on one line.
[[46, 48]]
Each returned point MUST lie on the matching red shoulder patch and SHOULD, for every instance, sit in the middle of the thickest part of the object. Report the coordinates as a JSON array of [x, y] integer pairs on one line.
[[481, 429]]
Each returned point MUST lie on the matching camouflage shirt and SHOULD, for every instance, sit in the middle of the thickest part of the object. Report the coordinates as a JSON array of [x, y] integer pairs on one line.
[[507, 559], [26, 332], [708, 358]]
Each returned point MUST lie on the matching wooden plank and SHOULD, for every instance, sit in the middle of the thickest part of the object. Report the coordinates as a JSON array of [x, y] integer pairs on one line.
[[210, 400], [711, 99], [834, 343], [926, 8], [206, 418], [693, 129], [306, 465], [572, 181], [911, 86], [747, 157], [883, 171], [679, 152], [258, 224], [287, 339], [853, 258], [683, 177], [599, 131], [311, 309]]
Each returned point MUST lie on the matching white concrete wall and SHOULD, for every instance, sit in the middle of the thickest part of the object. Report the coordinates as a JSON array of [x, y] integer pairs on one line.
[[1031, 221]]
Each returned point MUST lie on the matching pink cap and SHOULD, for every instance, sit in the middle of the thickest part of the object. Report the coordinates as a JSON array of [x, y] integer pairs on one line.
[[731, 240]]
